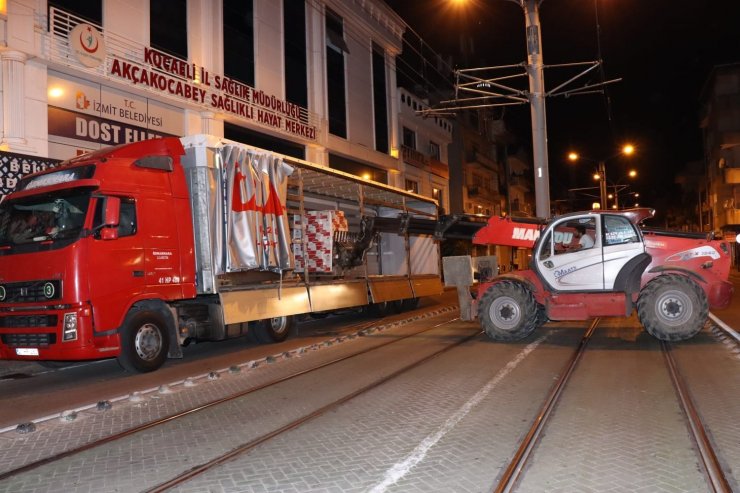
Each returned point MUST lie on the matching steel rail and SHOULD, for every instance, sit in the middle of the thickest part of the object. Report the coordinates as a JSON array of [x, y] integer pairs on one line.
[[712, 467], [726, 328], [246, 447], [513, 471], [172, 417]]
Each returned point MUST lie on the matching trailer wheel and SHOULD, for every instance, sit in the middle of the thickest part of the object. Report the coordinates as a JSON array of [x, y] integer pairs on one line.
[[275, 329], [376, 310], [144, 341], [672, 308], [410, 304], [508, 311]]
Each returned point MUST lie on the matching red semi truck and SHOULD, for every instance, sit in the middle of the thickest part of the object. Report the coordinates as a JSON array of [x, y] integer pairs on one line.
[[596, 264], [135, 250]]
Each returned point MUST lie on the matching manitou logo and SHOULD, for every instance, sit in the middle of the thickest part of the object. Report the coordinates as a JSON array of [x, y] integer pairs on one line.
[[526, 234]]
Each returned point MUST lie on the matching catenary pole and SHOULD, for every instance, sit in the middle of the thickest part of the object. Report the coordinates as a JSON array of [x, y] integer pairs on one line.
[[537, 106]]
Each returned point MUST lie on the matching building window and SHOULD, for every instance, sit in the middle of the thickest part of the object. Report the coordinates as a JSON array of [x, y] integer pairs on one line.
[[335, 49], [434, 150], [263, 141], [168, 27], [238, 40], [90, 11], [412, 186], [439, 195], [409, 138], [380, 105], [364, 171], [294, 36]]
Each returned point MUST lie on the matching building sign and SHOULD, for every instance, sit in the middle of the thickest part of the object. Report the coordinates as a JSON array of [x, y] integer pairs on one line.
[[73, 125], [14, 166], [87, 45], [167, 74], [84, 116]]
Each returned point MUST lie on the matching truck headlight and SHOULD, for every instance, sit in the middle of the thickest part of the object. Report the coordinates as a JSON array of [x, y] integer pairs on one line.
[[69, 331]]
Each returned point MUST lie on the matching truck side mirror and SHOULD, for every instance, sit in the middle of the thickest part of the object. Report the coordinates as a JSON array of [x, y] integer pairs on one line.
[[111, 217]]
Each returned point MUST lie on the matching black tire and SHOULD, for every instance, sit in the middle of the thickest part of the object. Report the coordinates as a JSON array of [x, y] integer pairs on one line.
[[395, 307], [508, 311], [275, 329], [144, 341], [377, 310], [410, 304], [541, 316], [672, 307]]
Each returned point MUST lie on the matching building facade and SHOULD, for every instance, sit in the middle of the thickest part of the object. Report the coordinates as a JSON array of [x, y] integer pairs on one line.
[[424, 149], [315, 80], [721, 128]]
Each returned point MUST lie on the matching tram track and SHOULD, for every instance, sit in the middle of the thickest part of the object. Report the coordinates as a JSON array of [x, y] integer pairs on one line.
[[714, 472], [30, 467], [709, 460], [513, 471]]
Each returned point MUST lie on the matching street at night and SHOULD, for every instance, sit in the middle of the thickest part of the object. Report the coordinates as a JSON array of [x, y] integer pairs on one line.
[[414, 402], [332, 246]]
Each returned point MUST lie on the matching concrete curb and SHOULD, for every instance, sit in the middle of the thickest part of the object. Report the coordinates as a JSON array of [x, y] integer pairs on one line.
[[139, 396]]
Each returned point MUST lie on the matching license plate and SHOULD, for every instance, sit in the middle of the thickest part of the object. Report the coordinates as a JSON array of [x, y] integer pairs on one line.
[[26, 351]]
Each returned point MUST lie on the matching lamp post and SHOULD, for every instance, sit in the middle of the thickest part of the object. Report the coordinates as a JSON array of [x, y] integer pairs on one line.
[[627, 150]]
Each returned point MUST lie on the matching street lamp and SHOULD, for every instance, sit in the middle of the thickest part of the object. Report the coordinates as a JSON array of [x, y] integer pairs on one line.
[[627, 150]]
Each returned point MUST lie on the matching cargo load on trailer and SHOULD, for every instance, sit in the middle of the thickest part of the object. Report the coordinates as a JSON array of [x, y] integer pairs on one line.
[[133, 251], [596, 264]]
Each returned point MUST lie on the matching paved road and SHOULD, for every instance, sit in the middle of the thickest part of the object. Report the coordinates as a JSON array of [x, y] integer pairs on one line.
[[451, 424]]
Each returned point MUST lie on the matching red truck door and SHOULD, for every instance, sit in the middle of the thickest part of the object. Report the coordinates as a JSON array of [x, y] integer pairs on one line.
[[116, 267]]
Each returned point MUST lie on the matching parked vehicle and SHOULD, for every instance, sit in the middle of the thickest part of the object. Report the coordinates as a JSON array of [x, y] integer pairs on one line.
[[132, 251], [597, 264]]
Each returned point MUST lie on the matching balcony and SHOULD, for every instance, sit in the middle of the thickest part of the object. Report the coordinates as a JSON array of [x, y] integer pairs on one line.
[[519, 181], [480, 158], [439, 168], [480, 192], [414, 158]]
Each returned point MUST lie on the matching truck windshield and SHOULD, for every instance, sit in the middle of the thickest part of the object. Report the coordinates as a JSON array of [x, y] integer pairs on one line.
[[42, 218]]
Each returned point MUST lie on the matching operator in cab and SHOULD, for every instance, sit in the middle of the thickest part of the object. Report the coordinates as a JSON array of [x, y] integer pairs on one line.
[[579, 241]]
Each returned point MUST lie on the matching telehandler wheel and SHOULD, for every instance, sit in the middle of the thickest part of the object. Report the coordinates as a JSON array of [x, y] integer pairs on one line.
[[541, 316], [144, 341], [508, 311], [672, 307], [275, 329]]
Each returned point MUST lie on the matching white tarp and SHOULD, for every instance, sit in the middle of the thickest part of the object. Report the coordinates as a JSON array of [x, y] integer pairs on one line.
[[257, 234]]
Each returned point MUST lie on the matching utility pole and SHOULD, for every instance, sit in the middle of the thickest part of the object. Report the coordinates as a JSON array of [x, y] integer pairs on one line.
[[602, 183], [537, 106]]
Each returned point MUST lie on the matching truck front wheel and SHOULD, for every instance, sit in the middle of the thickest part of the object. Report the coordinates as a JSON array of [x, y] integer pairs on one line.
[[672, 308], [508, 311], [144, 341]]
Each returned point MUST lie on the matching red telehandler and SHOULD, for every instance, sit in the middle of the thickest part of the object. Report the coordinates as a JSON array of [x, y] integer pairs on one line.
[[596, 264]]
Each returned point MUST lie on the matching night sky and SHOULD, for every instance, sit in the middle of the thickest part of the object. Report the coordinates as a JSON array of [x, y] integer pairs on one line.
[[663, 50]]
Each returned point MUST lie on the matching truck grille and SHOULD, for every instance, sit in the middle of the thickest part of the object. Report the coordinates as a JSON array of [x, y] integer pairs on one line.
[[28, 321], [30, 291], [29, 340]]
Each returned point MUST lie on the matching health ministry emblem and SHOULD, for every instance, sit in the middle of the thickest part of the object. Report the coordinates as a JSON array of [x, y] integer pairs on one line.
[[87, 45]]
